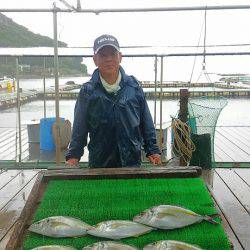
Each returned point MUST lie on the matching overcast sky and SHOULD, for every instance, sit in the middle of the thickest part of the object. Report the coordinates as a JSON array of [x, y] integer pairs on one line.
[[158, 28], [165, 28]]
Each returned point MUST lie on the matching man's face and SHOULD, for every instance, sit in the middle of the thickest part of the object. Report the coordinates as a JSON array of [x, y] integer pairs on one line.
[[108, 60]]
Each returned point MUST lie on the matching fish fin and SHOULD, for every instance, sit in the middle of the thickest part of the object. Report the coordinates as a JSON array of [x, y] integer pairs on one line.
[[210, 218]]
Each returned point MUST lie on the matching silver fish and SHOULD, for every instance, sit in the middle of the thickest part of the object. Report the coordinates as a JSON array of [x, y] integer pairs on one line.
[[54, 247], [60, 226], [170, 245], [109, 245], [170, 217], [119, 229]]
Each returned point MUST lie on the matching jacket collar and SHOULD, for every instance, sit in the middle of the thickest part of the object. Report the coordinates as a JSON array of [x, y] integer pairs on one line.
[[96, 78]]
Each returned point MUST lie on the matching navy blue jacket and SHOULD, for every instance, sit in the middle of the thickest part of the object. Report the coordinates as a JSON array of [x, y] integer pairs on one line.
[[118, 124]]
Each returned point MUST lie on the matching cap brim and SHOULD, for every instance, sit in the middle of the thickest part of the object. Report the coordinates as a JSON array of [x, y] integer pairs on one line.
[[104, 45]]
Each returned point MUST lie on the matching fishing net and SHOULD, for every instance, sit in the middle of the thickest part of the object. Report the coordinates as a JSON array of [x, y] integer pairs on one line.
[[203, 116]]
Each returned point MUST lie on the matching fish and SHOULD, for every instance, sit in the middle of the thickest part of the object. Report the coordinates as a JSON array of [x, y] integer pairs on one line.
[[119, 229], [54, 247], [171, 217], [60, 226], [170, 245], [109, 245]]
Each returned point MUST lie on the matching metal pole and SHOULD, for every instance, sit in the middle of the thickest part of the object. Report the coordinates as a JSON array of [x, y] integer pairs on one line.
[[44, 88], [98, 11], [56, 68], [12, 52], [155, 89], [18, 114], [161, 80]]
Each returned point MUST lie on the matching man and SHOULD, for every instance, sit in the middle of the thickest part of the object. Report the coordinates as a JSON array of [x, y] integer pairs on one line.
[[112, 110]]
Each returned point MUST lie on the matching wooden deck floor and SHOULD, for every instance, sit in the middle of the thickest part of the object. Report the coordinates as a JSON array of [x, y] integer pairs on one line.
[[15, 187], [230, 189], [232, 144]]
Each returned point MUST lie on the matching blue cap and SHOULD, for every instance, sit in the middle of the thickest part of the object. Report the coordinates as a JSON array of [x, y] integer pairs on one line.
[[105, 40]]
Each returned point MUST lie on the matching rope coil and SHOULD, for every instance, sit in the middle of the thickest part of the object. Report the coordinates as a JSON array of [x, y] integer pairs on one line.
[[183, 146]]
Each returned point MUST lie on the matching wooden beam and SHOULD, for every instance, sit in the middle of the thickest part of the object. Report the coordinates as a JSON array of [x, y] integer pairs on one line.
[[183, 115]]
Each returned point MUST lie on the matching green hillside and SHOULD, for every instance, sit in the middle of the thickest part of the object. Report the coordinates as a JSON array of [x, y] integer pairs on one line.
[[15, 35]]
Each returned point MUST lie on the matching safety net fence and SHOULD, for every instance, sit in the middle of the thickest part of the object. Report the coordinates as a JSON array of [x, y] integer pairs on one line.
[[203, 115]]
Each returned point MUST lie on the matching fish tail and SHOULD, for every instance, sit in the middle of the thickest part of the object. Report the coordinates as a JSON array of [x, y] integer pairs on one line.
[[210, 218]]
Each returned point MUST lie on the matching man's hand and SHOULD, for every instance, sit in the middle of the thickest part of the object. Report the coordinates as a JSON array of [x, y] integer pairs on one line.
[[72, 162], [155, 159]]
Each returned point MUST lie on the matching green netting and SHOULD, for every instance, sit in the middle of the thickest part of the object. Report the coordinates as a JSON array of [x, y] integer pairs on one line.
[[205, 111], [97, 200]]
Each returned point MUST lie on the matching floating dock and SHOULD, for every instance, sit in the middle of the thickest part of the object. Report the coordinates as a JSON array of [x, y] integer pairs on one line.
[[9, 100], [149, 84], [165, 94]]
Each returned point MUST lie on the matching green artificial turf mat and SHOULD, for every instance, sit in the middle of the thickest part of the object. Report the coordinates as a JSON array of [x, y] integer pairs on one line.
[[94, 201]]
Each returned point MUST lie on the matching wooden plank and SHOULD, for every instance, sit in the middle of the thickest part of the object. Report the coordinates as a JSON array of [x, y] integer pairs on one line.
[[11, 145], [14, 208], [26, 217], [10, 135], [3, 130], [230, 149], [238, 141], [217, 156], [6, 133], [220, 154], [237, 186], [242, 132], [7, 176], [234, 212], [5, 240], [221, 150], [230, 233], [97, 173], [15, 186], [244, 174], [6, 130], [11, 154]]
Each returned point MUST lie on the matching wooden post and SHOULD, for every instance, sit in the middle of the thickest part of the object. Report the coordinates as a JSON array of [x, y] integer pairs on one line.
[[183, 114]]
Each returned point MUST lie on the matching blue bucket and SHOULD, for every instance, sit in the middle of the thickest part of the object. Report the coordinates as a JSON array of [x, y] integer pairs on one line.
[[46, 136]]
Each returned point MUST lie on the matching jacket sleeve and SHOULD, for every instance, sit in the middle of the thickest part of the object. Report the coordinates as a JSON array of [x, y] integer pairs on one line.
[[80, 130], [147, 128]]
